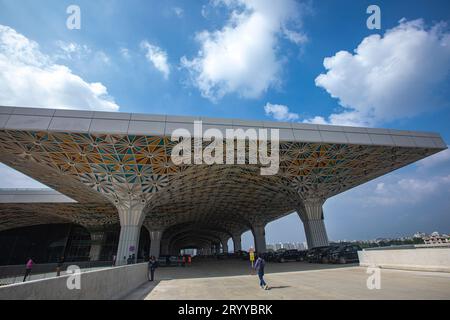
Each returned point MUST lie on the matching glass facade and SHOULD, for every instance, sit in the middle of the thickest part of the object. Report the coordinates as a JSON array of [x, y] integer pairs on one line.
[[48, 243]]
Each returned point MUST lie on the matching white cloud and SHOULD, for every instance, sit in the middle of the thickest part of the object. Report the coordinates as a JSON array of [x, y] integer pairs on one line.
[[406, 190], [158, 58], [179, 12], [241, 57], [400, 190], [436, 159], [102, 57], [398, 75], [29, 77], [72, 50], [296, 37], [14, 179], [125, 53], [280, 112]]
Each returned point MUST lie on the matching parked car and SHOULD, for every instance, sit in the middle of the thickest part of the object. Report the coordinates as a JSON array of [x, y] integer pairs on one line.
[[316, 255], [344, 254], [239, 254], [313, 254], [269, 256], [323, 256], [169, 261], [222, 255], [244, 255], [288, 255], [302, 254]]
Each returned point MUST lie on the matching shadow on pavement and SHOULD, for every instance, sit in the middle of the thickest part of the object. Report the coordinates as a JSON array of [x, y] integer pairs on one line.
[[279, 287]]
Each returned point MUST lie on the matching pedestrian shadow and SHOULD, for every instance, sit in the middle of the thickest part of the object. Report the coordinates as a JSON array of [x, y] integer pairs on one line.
[[279, 287], [141, 292]]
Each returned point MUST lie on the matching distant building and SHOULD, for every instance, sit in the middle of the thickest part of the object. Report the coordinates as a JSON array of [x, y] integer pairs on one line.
[[436, 238], [420, 235], [288, 246]]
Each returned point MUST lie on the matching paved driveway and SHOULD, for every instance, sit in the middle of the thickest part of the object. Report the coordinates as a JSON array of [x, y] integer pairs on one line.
[[233, 279]]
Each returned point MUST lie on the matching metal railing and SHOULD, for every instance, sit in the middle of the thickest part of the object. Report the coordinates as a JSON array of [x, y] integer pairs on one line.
[[410, 246]]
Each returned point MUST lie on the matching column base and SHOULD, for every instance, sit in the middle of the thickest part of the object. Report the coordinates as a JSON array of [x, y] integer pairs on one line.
[[128, 243], [155, 243], [316, 234], [237, 243], [259, 235]]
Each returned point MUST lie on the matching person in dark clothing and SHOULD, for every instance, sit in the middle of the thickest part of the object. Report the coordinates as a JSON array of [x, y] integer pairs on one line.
[[59, 266], [259, 267], [152, 265], [28, 268], [129, 260]]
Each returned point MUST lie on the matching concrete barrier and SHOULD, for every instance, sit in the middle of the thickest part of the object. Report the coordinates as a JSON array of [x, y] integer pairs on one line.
[[110, 283], [419, 259]]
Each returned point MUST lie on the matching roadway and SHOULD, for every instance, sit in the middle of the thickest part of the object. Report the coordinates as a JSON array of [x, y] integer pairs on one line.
[[233, 279]]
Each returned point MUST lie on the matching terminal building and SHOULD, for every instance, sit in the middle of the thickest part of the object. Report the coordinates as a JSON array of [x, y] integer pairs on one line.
[[115, 190]]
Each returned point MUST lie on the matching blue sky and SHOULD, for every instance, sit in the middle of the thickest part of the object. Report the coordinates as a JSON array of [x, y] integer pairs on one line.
[[254, 60]]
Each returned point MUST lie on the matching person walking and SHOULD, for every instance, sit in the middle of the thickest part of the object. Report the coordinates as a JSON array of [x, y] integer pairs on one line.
[[152, 265], [28, 268], [259, 267], [59, 266]]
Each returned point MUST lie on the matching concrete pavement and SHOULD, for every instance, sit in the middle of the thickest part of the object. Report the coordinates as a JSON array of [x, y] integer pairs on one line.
[[232, 279]]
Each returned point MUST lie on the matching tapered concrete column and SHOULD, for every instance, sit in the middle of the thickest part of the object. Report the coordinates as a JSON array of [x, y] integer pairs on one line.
[[155, 244], [237, 243], [131, 214], [311, 215], [224, 242], [259, 234], [165, 247]]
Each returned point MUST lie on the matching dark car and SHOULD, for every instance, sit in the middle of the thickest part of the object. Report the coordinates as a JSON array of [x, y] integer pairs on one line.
[[323, 255], [313, 254], [169, 261], [244, 255], [344, 254], [269, 256], [302, 255], [288, 255], [319, 254], [239, 253]]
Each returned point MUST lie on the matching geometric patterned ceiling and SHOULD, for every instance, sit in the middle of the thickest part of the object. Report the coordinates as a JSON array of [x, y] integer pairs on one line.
[[98, 170]]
